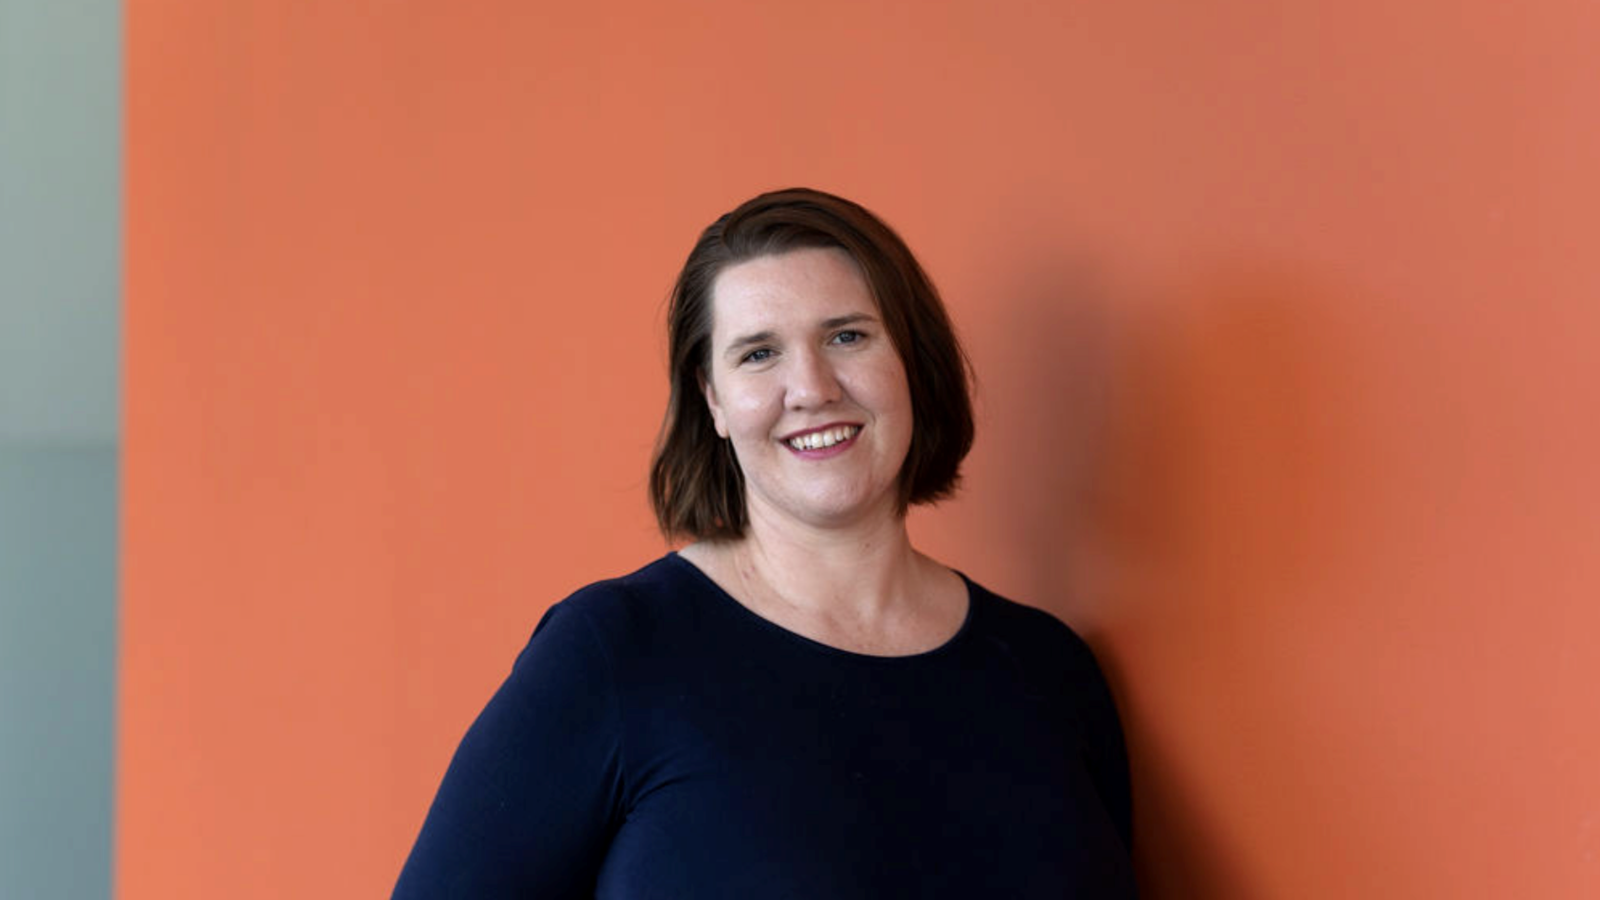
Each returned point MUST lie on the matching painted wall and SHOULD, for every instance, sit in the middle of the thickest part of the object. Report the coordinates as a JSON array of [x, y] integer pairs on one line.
[[1283, 318], [60, 241]]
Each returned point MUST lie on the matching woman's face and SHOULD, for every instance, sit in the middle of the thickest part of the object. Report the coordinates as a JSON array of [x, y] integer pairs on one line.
[[807, 385]]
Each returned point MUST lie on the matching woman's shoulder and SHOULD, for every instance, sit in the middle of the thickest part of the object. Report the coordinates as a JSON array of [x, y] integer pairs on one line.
[[1029, 629], [630, 606], [649, 582]]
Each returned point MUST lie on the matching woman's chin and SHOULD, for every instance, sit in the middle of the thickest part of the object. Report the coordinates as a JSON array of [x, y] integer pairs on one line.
[[832, 511]]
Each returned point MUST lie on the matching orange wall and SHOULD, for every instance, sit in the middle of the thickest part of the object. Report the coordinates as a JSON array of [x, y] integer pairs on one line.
[[1284, 316]]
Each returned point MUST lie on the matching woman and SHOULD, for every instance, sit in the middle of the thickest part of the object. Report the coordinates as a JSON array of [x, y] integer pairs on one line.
[[797, 704]]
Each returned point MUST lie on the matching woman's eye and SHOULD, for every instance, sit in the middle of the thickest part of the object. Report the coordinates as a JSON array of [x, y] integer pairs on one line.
[[760, 354], [848, 337]]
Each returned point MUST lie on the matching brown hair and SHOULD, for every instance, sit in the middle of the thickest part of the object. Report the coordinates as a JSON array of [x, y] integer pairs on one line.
[[696, 485]]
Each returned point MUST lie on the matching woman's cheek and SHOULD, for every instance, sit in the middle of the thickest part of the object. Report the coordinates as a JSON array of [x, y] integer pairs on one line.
[[753, 405]]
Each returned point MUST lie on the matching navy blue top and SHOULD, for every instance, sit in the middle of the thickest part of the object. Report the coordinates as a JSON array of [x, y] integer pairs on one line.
[[657, 739]]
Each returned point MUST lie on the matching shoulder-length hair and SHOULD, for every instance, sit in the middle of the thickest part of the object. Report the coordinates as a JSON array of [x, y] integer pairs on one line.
[[696, 485]]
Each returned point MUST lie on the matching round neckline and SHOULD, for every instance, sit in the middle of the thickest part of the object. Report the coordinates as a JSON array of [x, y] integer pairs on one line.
[[746, 612]]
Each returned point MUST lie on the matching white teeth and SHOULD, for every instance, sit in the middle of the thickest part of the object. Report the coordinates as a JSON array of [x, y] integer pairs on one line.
[[816, 440]]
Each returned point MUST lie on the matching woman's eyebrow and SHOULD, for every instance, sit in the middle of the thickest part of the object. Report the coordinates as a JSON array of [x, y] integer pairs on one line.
[[739, 343], [850, 319]]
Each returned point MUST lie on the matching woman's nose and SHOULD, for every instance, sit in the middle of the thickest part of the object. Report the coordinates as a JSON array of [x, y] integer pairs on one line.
[[812, 382]]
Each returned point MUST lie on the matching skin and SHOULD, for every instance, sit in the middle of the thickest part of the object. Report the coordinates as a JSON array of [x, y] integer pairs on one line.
[[796, 346]]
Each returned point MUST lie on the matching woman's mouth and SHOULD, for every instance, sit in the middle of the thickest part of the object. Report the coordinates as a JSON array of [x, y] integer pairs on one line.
[[823, 438]]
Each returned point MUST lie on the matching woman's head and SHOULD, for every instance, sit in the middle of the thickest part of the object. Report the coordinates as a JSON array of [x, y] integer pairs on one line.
[[696, 485]]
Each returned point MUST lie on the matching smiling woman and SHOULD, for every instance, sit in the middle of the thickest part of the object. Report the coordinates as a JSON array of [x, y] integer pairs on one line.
[[797, 703], [806, 384], [695, 483]]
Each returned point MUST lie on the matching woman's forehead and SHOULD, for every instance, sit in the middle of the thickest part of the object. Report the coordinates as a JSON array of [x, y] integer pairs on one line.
[[810, 285]]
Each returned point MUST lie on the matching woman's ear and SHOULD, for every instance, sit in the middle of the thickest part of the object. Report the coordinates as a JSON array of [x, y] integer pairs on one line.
[[711, 404]]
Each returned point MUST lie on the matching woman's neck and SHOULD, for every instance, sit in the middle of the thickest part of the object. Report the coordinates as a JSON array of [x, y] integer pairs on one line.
[[863, 574]]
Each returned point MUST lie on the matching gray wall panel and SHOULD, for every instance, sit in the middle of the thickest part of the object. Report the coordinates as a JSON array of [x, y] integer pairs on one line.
[[60, 326], [57, 670], [60, 217]]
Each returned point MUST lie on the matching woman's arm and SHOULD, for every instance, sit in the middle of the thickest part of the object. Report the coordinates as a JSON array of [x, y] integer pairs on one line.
[[534, 793], [1105, 750]]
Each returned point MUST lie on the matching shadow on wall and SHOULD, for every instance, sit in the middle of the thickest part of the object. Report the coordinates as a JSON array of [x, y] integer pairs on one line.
[[1176, 481]]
